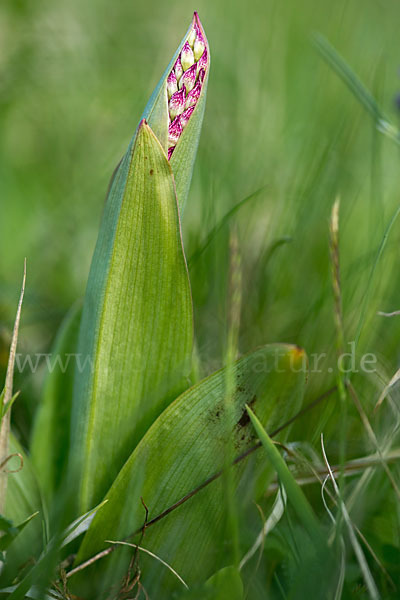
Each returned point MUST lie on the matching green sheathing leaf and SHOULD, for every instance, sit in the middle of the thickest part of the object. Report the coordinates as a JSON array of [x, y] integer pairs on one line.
[[23, 500], [51, 433], [183, 448], [137, 324]]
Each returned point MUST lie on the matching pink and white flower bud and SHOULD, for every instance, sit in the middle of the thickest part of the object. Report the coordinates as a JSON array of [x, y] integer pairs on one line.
[[172, 84], [187, 56], [193, 95], [202, 63], [178, 69], [177, 103], [192, 36], [185, 116], [199, 46], [170, 151], [174, 131], [201, 75], [189, 78]]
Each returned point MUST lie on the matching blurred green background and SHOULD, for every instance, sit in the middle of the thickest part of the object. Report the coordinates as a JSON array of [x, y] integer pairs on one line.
[[74, 79]]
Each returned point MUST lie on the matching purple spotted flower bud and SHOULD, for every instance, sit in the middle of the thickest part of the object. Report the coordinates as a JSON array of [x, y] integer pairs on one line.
[[198, 46], [187, 56], [202, 64], [172, 84], [188, 79], [184, 83], [178, 69], [192, 36], [193, 95], [177, 104], [174, 131], [185, 116]]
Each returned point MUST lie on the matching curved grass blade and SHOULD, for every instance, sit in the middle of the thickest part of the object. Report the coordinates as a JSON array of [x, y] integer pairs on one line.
[[23, 499], [355, 85], [137, 324], [12, 532], [183, 448], [294, 492], [7, 400]]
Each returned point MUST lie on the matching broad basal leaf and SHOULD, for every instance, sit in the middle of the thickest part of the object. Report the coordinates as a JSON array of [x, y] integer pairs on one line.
[[137, 330], [184, 447]]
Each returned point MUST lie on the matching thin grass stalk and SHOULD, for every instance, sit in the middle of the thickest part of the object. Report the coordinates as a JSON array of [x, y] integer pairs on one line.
[[340, 341], [7, 398], [234, 309]]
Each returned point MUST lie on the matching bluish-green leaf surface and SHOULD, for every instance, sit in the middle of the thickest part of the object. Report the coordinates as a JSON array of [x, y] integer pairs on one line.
[[137, 325]]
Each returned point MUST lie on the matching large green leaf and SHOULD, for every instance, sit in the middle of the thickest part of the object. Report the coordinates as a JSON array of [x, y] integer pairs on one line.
[[184, 447], [137, 325], [51, 433]]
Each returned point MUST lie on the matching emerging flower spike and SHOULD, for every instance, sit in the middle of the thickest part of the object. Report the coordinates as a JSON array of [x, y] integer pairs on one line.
[[184, 83]]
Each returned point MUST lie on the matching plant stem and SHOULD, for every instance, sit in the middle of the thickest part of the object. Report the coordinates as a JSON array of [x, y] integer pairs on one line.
[[8, 392]]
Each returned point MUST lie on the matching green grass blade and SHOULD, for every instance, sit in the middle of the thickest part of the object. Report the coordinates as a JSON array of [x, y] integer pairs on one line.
[[9, 537], [51, 432], [23, 499], [182, 450], [7, 400], [137, 325], [294, 492], [355, 85]]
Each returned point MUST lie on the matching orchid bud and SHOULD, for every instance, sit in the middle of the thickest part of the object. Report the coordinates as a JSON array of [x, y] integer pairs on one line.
[[193, 95], [185, 116], [172, 84], [187, 56], [201, 75], [199, 46], [174, 131], [188, 79], [192, 36], [177, 103], [178, 69], [202, 64]]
